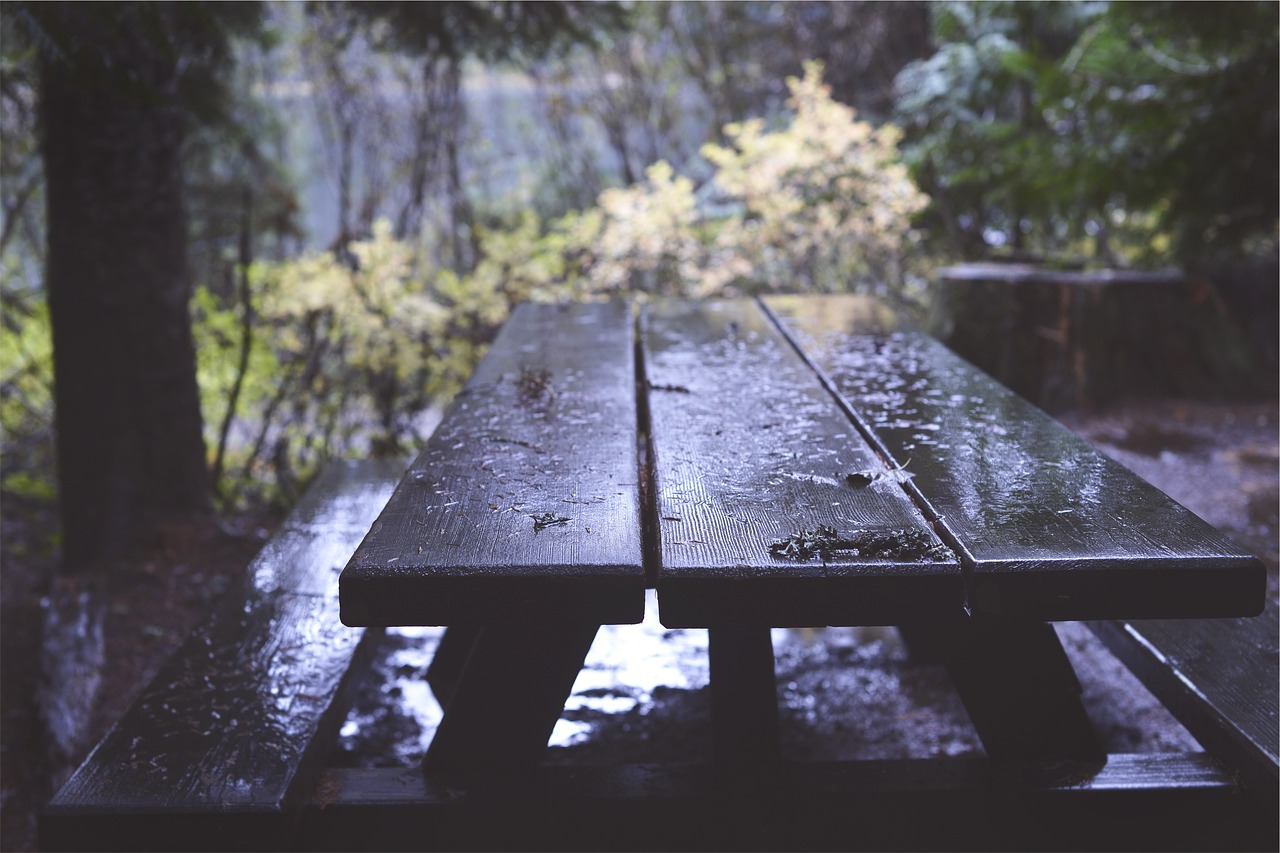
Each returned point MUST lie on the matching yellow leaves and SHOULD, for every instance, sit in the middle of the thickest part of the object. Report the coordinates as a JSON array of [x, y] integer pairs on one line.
[[374, 309], [825, 200], [822, 202], [646, 236], [516, 263]]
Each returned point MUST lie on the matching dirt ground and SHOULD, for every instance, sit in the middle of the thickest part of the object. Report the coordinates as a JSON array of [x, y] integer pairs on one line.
[[843, 693]]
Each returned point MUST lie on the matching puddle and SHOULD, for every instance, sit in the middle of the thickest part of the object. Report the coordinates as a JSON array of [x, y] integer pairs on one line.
[[629, 668], [395, 713]]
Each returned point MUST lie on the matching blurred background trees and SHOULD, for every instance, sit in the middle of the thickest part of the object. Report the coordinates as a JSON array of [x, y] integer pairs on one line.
[[368, 188], [1130, 133]]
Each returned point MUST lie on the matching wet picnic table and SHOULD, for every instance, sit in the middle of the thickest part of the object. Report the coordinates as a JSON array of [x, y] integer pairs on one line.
[[784, 462]]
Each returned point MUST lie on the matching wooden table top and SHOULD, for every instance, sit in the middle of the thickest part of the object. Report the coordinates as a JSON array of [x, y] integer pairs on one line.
[[790, 461]]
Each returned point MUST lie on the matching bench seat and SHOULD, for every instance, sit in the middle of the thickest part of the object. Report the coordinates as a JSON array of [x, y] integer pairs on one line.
[[1219, 677], [1137, 802], [224, 746]]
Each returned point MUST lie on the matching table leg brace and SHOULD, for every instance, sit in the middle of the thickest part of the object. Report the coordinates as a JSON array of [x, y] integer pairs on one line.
[[1019, 688], [508, 697]]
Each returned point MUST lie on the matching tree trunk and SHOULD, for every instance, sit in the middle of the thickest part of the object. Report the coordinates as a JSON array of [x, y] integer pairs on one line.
[[129, 441]]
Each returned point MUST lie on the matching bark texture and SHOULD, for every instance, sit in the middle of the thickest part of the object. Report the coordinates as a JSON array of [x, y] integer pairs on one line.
[[129, 439]]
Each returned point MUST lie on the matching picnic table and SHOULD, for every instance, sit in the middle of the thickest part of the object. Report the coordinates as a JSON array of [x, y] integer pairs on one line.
[[791, 461], [785, 462]]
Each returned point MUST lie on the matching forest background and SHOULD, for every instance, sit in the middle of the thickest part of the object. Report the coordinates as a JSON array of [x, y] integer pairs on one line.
[[368, 190]]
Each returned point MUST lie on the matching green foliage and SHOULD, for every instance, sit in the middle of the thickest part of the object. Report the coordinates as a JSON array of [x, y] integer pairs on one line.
[[1000, 171], [345, 357], [348, 355], [26, 392], [26, 344], [348, 349], [1126, 132], [1200, 84]]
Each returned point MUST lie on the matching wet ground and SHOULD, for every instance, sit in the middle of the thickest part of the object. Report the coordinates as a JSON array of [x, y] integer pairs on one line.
[[854, 693]]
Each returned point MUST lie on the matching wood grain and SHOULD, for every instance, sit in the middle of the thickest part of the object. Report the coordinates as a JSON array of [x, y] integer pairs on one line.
[[525, 501], [1048, 527], [748, 449]]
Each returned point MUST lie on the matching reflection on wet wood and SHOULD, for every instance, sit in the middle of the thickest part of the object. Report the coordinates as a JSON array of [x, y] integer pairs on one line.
[[240, 718], [1048, 527], [526, 498], [750, 452]]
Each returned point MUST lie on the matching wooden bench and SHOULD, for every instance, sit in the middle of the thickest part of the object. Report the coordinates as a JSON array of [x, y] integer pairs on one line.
[[1219, 677], [225, 746], [803, 461]]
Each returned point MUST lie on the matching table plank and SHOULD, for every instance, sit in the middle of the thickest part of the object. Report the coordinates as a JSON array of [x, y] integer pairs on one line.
[[526, 498], [750, 453], [1048, 527]]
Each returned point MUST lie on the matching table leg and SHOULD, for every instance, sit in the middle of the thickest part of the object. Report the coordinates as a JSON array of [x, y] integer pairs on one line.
[[924, 645], [744, 697], [1019, 688], [450, 659], [508, 697]]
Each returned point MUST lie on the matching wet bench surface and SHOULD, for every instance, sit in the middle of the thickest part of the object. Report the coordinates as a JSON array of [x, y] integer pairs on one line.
[[223, 748], [1047, 526]]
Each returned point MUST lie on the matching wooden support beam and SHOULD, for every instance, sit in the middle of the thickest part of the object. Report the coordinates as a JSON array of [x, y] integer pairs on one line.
[[744, 698]]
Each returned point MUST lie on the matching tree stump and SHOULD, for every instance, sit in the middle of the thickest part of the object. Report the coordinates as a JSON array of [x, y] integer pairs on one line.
[[1079, 339]]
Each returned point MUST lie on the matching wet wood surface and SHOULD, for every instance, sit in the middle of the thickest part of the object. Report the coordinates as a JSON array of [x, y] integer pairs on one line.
[[239, 720], [759, 487], [1047, 527], [526, 498], [1219, 677]]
